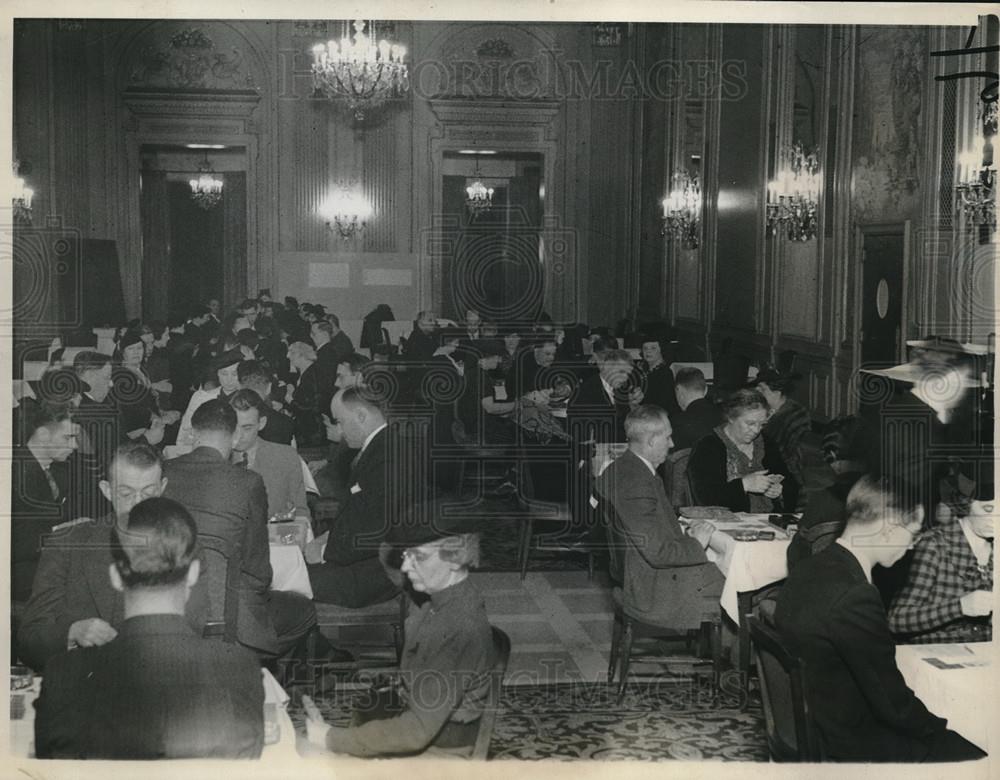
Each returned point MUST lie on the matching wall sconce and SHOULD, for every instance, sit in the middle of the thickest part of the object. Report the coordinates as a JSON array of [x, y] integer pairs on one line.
[[976, 176], [682, 209], [793, 194], [21, 195], [346, 212]]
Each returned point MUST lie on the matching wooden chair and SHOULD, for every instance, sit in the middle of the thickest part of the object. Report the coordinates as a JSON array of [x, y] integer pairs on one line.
[[790, 732], [675, 479], [222, 576], [501, 644], [628, 627], [332, 618]]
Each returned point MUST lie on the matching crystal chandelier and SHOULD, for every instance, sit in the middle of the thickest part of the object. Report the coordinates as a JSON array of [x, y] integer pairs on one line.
[[976, 176], [793, 194], [682, 209], [360, 72], [346, 213], [21, 200], [206, 190], [478, 197]]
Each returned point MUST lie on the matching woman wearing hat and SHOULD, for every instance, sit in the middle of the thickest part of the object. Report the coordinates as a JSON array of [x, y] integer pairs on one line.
[[789, 420], [444, 674]]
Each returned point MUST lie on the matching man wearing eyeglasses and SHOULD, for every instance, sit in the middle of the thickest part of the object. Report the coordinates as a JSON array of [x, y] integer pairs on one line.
[[72, 602], [831, 616]]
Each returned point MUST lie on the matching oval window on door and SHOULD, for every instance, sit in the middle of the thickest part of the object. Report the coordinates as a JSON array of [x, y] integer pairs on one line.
[[882, 299]]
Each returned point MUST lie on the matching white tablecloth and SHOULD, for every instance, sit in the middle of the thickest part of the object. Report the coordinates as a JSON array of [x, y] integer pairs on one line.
[[747, 566], [288, 567], [962, 694]]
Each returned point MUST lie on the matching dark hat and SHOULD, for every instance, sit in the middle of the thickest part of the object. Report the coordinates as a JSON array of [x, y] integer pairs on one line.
[[775, 379], [488, 347], [228, 358], [131, 337], [428, 521]]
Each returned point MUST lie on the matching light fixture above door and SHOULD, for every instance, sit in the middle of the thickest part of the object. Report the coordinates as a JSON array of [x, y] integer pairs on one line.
[[206, 190]]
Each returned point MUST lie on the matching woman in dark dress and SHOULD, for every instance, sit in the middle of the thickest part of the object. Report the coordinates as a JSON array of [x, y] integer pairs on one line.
[[736, 467]]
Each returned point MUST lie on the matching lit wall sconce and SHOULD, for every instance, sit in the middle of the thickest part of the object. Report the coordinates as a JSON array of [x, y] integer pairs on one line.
[[21, 195], [793, 194], [976, 176], [682, 209], [346, 213]]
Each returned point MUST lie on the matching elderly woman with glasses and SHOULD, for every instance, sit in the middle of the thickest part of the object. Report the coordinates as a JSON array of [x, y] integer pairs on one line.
[[444, 673], [735, 467]]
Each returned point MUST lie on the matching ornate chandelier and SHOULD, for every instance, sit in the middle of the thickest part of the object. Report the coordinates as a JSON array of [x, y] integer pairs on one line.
[[360, 72], [346, 213], [21, 200], [206, 190], [976, 179], [682, 209], [793, 194], [478, 197]]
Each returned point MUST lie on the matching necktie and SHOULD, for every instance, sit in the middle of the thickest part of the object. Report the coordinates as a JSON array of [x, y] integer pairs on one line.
[[53, 486], [242, 462]]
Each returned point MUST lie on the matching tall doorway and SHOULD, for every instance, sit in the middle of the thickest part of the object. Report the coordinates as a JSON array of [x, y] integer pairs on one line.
[[191, 253], [491, 261]]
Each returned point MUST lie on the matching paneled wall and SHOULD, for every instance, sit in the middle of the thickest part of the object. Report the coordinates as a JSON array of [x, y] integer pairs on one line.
[[90, 94]]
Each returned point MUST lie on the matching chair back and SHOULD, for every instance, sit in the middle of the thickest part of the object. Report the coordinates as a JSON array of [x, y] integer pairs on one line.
[[487, 722], [675, 478], [221, 573], [790, 735], [616, 540]]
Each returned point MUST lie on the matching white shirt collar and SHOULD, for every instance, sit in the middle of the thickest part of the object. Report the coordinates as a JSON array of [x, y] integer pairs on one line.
[[981, 548], [608, 390], [943, 412], [371, 436]]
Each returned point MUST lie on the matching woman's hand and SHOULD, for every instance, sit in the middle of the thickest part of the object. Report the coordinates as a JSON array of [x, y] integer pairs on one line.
[[316, 727], [757, 482], [774, 489]]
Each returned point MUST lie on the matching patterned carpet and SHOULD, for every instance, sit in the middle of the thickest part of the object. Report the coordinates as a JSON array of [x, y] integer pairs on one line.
[[556, 701]]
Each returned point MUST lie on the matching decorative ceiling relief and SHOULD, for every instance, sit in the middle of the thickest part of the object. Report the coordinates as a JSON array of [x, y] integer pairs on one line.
[[191, 58], [488, 61]]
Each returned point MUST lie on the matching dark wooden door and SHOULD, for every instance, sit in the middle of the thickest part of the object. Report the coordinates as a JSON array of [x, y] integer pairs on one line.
[[882, 298]]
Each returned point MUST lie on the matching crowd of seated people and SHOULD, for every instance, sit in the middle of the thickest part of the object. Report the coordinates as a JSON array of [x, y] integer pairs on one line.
[[254, 414]]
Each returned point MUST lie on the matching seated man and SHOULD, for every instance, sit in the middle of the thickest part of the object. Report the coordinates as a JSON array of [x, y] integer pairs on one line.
[[697, 415], [254, 375], [157, 690], [279, 465], [230, 502], [348, 571], [668, 578], [72, 602], [830, 615], [602, 402], [948, 594], [38, 487]]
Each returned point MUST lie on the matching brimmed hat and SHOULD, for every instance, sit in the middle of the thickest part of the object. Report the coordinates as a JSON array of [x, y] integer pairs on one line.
[[775, 379], [130, 338], [429, 521]]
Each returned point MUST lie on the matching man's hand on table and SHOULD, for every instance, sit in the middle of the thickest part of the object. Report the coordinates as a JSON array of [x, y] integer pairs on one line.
[[977, 603], [702, 531], [91, 632]]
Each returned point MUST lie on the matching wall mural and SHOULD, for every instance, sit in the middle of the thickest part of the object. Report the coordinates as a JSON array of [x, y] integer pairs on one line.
[[189, 58], [887, 153]]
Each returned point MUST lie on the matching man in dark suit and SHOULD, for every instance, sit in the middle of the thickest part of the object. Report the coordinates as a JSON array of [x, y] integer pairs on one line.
[[830, 615], [422, 341], [253, 375], [72, 602], [697, 416], [157, 690], [38, 487], [351, 574], [668, 578], [598, 409], [332, 347], [303, 399], [230, 502]]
